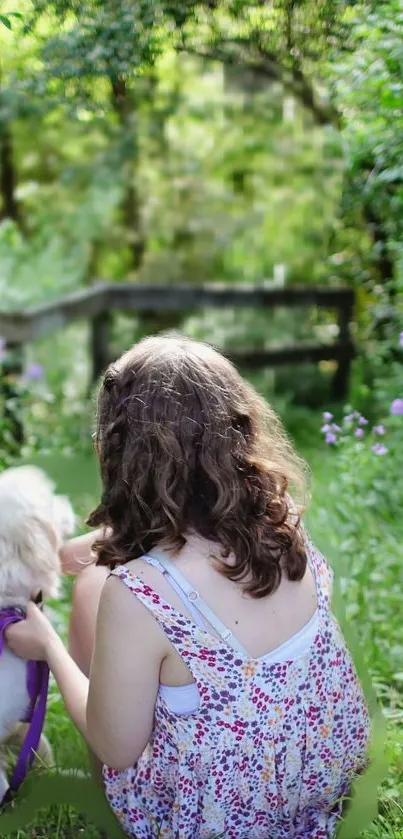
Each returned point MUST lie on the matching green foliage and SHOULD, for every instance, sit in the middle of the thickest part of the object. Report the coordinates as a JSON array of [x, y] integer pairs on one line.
[[96, 40], [365, 493], [368, 89], [358, 496], [195, 155], [214, 183], [56, 256]]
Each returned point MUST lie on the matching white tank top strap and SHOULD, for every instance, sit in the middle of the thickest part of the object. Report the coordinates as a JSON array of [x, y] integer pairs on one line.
[[193, 599], [152, 560]]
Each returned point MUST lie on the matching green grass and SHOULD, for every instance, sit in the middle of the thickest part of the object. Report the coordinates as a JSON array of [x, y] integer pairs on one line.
[[371, 589], [366, 552]]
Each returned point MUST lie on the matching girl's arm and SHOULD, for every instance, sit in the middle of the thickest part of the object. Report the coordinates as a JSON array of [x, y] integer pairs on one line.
[[76, 554], [124, 677], [114, 709], [71, 681]]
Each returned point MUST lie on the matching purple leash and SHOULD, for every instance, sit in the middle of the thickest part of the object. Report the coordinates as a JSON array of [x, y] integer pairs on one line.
[[37, 684]]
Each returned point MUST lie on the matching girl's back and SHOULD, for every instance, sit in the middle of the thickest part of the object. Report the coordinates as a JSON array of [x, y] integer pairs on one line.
[[260, 625], [268, 734], [252, 714]]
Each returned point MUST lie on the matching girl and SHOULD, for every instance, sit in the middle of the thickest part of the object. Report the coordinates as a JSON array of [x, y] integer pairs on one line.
[[206, 671]]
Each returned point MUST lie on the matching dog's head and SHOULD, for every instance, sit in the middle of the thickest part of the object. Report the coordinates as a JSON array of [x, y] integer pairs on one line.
[[33, 523]]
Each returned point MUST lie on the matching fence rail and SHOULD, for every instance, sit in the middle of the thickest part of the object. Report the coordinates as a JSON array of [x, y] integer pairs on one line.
[[97, 303], [36, 321]]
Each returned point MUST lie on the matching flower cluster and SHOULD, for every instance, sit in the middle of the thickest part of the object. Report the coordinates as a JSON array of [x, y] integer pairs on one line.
[[354, 424], [33, 371], [330, 429], [357, 426]]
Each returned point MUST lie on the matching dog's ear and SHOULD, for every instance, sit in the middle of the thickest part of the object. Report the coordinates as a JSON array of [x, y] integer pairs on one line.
[[33, 524], [65, 519], [38, 550]]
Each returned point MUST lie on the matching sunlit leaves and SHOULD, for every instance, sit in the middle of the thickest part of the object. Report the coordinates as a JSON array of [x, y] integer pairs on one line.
[[112, 39], [7, 19], [366, 83]]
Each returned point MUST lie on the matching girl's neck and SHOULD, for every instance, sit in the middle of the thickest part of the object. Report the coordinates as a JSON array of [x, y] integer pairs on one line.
[[204, 549]]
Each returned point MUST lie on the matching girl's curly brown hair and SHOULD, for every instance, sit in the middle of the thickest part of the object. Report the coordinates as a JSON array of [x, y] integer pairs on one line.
[[186, 444]]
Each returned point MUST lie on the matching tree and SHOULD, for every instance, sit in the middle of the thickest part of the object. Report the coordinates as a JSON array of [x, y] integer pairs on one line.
[[106, 45], [369, 92], [286, 41]]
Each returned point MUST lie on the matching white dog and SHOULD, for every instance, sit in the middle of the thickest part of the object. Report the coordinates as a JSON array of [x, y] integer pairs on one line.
[[33, 523]]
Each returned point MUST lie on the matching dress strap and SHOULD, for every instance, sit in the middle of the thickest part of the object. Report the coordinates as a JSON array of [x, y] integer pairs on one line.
[[321, 570], [197, 601]]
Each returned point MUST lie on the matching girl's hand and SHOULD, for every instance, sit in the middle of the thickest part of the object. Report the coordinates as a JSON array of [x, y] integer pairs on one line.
[[31, 638], [76, 554]]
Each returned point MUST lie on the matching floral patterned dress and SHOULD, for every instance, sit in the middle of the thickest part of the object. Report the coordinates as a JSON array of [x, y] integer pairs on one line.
[[271, 750]]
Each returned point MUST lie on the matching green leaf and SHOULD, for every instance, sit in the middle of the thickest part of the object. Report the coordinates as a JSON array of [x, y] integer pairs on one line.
[[5, 21], [395, 173]]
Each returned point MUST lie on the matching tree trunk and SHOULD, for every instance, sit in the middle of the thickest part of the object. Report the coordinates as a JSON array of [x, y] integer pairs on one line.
[[8, 177], [149, 321], [123, 107]]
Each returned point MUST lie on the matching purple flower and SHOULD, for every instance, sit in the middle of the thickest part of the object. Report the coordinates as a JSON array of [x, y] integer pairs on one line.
[[396, 407], [362, 421], [2, 348], [34, 372], [401, 340], [330, 429], [379, 448], [350, 417], [330, 438], [379, 429], [359, 432], [327, 416]]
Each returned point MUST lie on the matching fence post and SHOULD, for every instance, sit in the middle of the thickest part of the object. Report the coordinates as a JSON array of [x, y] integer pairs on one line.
[[11, 370], [341, 378], [100, 327]]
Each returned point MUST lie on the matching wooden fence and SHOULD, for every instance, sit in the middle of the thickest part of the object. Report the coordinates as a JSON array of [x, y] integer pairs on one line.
[[98, 302]]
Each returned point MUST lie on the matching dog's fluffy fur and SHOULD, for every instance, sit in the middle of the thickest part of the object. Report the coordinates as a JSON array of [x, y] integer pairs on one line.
[[33, 524]]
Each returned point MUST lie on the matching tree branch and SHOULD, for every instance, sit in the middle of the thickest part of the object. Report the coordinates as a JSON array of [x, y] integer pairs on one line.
[[268, 66]]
